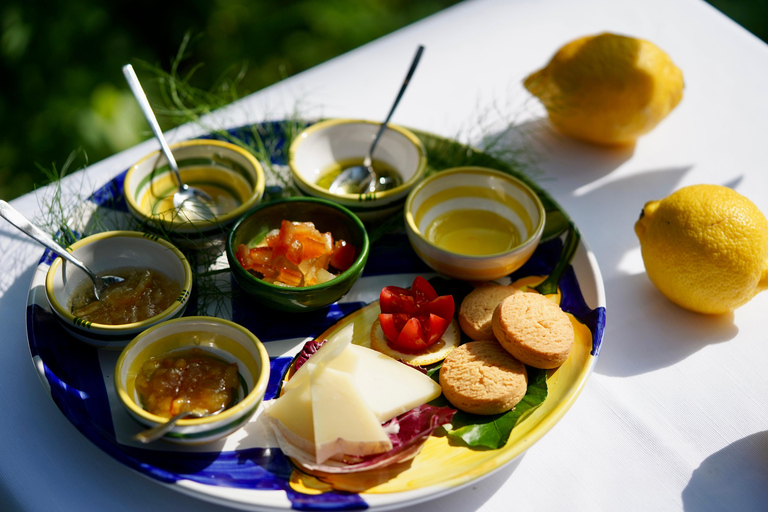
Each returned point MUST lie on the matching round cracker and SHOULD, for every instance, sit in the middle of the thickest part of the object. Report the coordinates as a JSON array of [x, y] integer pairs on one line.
[[481, 377], [476, 310], [533, 329], [434, 353]]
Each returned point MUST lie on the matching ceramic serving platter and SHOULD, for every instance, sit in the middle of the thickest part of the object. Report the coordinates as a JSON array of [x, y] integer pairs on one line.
[[247, 470]]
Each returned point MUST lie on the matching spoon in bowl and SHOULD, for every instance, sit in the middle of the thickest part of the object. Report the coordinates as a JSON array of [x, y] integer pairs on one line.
[[12, 215], [155, 433], [191, 200], [359, 179]]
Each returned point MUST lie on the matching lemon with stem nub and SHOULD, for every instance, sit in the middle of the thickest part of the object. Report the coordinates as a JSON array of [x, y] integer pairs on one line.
[[607, 89], [705, 247]]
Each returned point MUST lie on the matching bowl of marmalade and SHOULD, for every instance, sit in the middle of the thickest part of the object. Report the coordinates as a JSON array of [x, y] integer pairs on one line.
[[157, 280], [202, 364]]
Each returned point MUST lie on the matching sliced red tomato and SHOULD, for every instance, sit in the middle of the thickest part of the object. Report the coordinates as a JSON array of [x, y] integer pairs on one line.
[[416, 318]]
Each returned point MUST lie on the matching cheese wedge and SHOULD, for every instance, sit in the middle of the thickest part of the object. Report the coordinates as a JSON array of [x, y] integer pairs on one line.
[[293, 412], [343, 423], [326, 353], [388, 387]]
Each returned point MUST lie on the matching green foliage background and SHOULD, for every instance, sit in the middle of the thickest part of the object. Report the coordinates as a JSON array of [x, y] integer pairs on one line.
[[62, 89]]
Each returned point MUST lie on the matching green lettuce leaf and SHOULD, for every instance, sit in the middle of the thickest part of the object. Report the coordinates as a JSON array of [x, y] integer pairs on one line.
[[492, 432]]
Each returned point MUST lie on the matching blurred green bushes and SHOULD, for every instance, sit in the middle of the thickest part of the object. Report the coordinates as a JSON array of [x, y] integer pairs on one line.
[[62, 87]]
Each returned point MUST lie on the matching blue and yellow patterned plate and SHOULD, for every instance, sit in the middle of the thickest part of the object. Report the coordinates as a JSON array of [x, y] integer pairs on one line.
[[247, 470]]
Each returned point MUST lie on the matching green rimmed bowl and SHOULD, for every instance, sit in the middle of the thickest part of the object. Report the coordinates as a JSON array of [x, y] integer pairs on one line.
[[326, 216], [222, 339], [504, 216], [327, 143], [109, 251], [229, 173]]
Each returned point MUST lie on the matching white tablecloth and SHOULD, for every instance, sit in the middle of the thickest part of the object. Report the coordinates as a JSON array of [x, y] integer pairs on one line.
[[674, 416]]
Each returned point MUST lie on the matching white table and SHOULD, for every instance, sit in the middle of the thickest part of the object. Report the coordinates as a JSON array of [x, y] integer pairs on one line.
[[675, 415]]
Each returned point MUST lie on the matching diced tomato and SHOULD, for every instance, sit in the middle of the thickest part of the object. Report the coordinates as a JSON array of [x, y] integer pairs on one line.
[[294, 255], [289, 276], [244, 256], [416, 318], [395, 299], [442, 306], [343, 255]]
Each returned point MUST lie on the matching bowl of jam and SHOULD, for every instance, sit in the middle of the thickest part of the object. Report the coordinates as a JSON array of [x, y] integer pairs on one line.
[[157, 280], [199, 364], [297, 254]]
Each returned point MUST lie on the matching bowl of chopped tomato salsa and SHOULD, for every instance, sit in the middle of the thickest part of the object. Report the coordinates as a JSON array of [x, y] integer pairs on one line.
[[297, 254]]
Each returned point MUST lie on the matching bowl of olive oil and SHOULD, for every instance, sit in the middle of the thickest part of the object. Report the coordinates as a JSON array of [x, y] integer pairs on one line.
[[474, 223], [322, 151]]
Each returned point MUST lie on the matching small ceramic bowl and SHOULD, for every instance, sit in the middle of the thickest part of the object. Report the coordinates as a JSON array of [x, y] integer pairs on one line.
[[326, 144], [230, 174], [474, 223], [326, 216], [109, 251], [222, 339]]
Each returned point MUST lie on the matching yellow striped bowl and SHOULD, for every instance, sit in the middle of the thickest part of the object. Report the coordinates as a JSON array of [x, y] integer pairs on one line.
[[491, 199], [230, 174]]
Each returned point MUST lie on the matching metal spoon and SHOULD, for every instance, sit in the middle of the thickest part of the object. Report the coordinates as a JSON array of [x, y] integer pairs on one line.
[[360, 179], [189, 199], [12, 215], [155, 433]]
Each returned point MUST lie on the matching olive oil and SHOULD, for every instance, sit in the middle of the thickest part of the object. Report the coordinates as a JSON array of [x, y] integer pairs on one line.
[[473, 232], [227, 189], [382, 170]]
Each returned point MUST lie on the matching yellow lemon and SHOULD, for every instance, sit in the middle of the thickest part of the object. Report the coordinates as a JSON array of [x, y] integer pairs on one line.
[[607, 89], [705, 247]]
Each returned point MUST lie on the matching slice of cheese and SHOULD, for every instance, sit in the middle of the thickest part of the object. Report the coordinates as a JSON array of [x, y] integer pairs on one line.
[[325, 354], [293, 415], [343, 423], [388, 387]]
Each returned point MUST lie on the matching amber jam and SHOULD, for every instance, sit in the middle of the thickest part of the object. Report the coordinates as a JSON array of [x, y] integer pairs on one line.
[[190, 380], [143, 294]]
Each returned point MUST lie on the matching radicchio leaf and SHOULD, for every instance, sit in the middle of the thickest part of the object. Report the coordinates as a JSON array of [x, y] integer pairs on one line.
[[408, 432]]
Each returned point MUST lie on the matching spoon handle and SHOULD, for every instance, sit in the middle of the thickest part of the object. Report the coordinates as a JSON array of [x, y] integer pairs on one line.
[[154, 433], [149, 115], [15, 217], [407, 80]]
